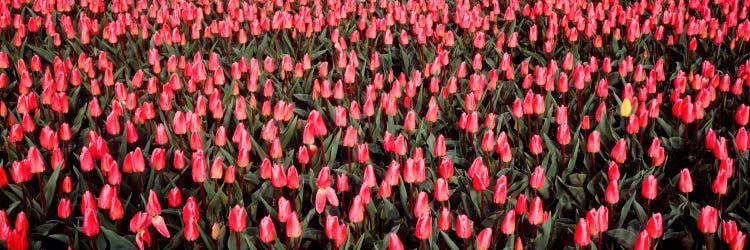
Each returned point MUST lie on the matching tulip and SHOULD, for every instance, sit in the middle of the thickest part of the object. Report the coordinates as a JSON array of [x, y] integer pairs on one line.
[[292, 178], [423, 229], [342, 183], [237, 219], [619, 152], [278, 177], [535, 145], [612, 194], [293, 228], [686, 182], [654, 226], [728, 230], [649, 188], [63, 208], [267, 230], [484, 239], [738, 242], [191, 232], [708, 220], [90, 226], [508, 225], [536, 181], [394, 243], [719, 185], [642, 242], [285, 210], [463, 227], [501, 190], [581, 235], [139, 225], [740, 140], [446, 168], [439, 148], [444, 219], [363, 153], [522, 205], [592, 144], [441, 190], [324, 193], [537, 215]]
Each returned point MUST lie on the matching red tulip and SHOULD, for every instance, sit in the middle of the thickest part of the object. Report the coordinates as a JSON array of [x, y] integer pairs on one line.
[[191, 231], [292, 178], [463, 227], [439, 148], [63, 208], [537, 215], [357, 210], [728, 230], [708, 220], [198, 165], [740, 140], [324, 193], [421, 205], [3, 178], [293, 228], [642, 242], [484, 239], [522, 205], [649, 187], [612, 194], [592, 144], [278, 177], [394, 243], [90, 226], [501, 190], [444, 219], [423, 229], [488, 141], [267, 230], [619, 152], [719, 185], [535, 145], [285, 210], [139, 225], [654, 226], [441, 190], [237, 219], [563, 134], [508, 225], [536, 181], [581, 235], [738, 242], [446, 168], [363, 153], [686, 182], [158, 159]]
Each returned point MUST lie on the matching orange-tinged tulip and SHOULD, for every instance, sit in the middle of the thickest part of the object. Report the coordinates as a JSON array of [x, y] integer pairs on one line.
[[293, 228]]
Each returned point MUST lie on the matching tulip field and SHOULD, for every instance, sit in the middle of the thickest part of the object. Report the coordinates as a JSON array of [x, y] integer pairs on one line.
[[374, 124]]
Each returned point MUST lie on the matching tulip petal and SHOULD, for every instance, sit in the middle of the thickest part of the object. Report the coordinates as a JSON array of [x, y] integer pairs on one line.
[[320, 200], [160, 226]]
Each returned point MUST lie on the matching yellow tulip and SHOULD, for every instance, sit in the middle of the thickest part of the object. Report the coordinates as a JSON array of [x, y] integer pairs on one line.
[[626, 108]]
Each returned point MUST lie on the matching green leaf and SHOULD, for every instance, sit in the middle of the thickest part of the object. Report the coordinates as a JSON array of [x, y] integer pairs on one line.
[[51, 186], [116, 241], [625, 237]]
